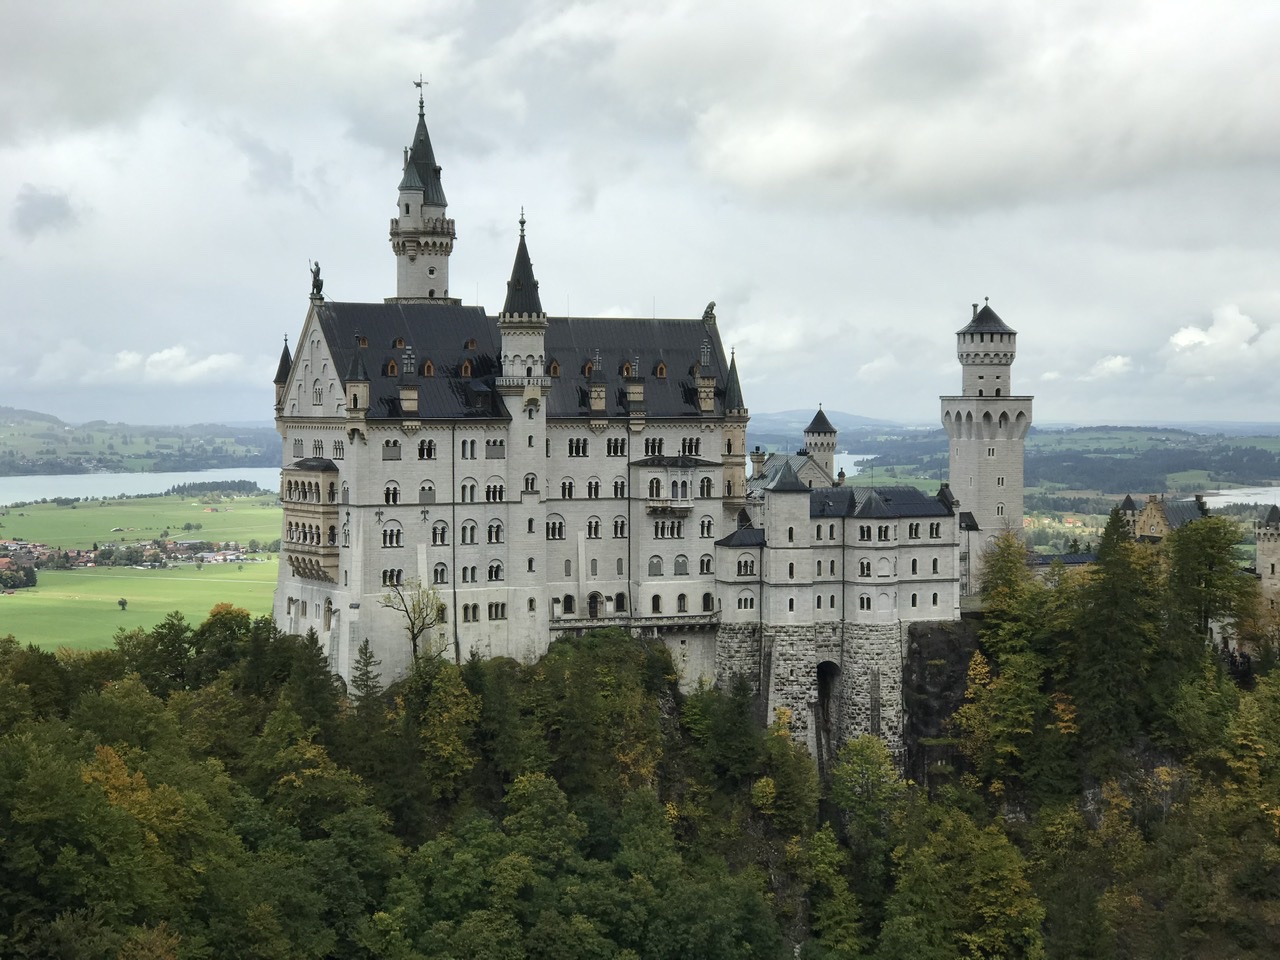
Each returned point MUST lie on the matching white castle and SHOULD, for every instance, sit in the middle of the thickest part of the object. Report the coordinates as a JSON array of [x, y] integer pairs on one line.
[[548, 475]]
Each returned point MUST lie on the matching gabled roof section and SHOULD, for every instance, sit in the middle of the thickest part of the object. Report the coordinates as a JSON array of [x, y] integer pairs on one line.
[[1181, 512], [621, 342], [286, 365], [462, 380], [820, 423], [786, 481], [733, 389], [1127, 504], [421, 172], [986, 320], [743, 537], [522, 288]]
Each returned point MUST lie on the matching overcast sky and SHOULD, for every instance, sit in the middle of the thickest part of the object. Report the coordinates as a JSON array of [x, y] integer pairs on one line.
[[842, 178]]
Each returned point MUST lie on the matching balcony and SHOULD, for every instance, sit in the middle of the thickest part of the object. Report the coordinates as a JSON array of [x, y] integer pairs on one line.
[[669, 506]]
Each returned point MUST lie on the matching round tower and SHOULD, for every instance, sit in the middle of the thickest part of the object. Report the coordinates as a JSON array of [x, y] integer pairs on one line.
[[986, 428], [421, 234], [820, 441]]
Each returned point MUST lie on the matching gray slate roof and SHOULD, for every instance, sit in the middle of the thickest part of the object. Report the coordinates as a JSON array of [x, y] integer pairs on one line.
[[743, 537], [440, 332], [422, 172], [875, 503], [522, 288], [285, 367], [1181, 512], [819, 424], [733, 392], [314, 465], [986, 320], [786, 481]]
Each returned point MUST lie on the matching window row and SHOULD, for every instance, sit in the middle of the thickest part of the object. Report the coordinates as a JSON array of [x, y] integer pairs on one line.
[[468, 574], [310, 533], [317, 449], [680, 567], [308, 491]]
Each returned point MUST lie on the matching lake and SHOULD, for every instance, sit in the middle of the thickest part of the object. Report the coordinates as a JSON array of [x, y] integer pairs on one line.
[[89, 486]]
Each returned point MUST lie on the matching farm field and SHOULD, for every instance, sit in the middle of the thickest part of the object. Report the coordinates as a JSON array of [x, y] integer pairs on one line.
[[80, 526], [79, 609]]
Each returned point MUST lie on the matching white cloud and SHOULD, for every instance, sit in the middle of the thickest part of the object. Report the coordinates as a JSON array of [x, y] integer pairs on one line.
[[1107, 367]]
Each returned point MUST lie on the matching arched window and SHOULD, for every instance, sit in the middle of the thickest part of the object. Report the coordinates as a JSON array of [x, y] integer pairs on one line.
[[495, 571], [682, 566], [567, 604], [655, 604], [439, 533], [791, 571], [655, 488], [935, 564], [655, 566], [999, 509], [428, 368], [661, 372], [391, 493], [708, 603], [682, 604], [791, 534], [554, 370], [495, 532], [530, 483], [620, 603], [392, 369], [440, 574], [466, 368]]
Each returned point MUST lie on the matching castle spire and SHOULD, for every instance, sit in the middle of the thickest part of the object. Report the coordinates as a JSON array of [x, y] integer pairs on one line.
[[733, 389], [522, 288], [422, 234]]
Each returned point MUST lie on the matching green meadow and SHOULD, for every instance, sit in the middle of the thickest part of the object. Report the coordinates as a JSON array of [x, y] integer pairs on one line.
[[80, 609], [81, 525]]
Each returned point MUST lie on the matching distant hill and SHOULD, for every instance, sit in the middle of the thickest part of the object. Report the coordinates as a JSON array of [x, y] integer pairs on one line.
[[784, 430], [34, 443]]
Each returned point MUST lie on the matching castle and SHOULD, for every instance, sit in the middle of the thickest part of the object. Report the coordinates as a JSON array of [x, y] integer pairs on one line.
[[547, 475]]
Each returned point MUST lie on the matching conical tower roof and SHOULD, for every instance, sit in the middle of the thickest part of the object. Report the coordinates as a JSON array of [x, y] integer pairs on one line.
[[421, 172], [819, 423], [285, 366], [357, 372], [733, 389], [522, 288], [1273, 516], [986, 320]]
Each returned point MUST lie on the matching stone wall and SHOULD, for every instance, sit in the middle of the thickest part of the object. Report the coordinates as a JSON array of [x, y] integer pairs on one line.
[[738, 653], [936, 674], [871, 677]]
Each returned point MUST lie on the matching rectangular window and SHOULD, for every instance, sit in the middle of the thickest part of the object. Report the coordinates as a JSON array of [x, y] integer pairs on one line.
[[999, 481]]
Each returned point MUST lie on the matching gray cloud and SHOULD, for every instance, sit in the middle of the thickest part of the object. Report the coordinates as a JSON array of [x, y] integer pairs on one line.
[[843, 178], [37, 210]]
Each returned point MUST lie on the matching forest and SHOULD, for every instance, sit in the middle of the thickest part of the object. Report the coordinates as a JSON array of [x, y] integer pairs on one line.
[[212, 790]]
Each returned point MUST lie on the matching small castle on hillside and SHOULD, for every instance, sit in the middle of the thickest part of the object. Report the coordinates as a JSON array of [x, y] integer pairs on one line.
[[547, 475]]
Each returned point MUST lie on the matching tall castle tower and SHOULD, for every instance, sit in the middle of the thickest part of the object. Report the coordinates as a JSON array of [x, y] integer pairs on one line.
[[986, 426], [820, 441], [421, 235], [1268, 563]]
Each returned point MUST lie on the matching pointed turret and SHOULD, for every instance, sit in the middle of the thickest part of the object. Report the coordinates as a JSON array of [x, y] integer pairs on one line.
[[421, 172], [283, 369], [786, 481], [522, 289], [733, 389], [357, 382], [421, 234], [285, 366], [820, 441]]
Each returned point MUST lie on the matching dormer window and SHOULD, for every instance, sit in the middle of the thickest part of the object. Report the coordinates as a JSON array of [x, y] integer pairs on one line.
[[471, 344], [364, 341], [428, 369], [554, 369], [661, 372], [392, 369], [588, 369], [398, 343], [626, 369], [466, 368]]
